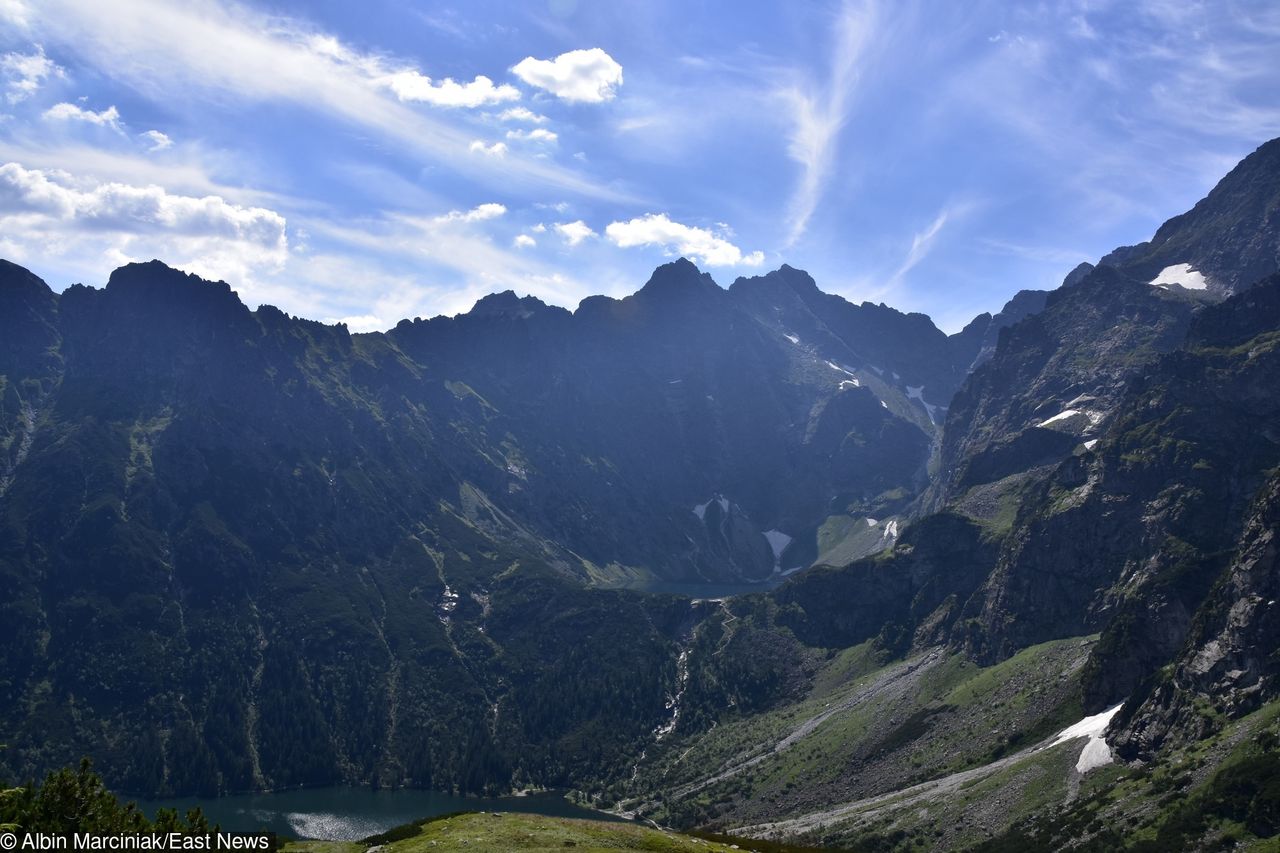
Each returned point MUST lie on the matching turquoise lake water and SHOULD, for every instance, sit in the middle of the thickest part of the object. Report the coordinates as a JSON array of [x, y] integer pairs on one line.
[[347, 814]]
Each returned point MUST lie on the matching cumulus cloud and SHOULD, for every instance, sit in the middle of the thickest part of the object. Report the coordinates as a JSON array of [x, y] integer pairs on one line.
[[110, 117], [497, 149], [412, 86], [159, 141], [657, 229], [524, 241], [573, 232], [85, 225], [538, 134], [166, 50], [25, 73], [123, 207], [522, 114], [479, 213], [586, 76]]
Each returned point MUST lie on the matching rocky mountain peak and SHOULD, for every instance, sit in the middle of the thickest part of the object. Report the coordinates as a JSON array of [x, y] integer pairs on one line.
[[160, 287], [679, 280], [1231, 238], [507, 304]]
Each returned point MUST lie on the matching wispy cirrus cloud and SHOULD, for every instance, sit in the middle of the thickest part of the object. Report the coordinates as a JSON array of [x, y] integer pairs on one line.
[[921, 244], [280, 60], [819, 113]]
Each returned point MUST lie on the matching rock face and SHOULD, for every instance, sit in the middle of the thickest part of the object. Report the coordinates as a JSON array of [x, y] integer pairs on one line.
[[329, 557], [1229, 664], [1230, 237], [1109, 453], [1130, 536], [1055, 379]]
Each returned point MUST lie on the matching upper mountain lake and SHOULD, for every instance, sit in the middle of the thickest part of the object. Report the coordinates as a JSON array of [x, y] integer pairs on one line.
[[348, 813]]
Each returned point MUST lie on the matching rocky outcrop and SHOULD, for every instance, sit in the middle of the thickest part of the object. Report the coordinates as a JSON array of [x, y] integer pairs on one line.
[[1231, 663], [1231, 237]]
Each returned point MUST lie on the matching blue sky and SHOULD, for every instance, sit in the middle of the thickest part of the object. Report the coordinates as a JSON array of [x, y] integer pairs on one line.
[[379, 160]]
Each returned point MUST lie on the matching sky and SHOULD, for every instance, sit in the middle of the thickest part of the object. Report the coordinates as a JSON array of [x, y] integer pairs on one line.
[[374, 161]]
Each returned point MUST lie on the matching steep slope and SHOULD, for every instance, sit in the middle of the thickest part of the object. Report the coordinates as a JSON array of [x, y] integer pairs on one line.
[[705, 421], [1111, 475], [330, 557], [1229, 238], [1056, 376], [872, 701]]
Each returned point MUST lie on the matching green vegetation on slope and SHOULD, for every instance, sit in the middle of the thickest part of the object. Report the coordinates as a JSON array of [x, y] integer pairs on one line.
[[490, 831]]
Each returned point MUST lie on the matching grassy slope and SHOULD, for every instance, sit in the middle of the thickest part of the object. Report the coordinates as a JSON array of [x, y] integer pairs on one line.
[[886, 734], [1222, 792], [489, 831]]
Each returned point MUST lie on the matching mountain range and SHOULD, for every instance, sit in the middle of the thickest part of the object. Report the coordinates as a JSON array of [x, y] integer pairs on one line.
[[241, 550]]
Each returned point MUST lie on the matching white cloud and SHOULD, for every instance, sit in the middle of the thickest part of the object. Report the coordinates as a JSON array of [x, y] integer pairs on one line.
[[110, 117], [83, 224], [539, 228], [819, 115], [921, 244], [216, 50], [524, 241], [522, 114], [25, 73], [497, 149], [123, 207], [657, 229], [479, 213], [426, 251], [412, 86], [538, 134], [586, 76], [573, 232], [159, 141]]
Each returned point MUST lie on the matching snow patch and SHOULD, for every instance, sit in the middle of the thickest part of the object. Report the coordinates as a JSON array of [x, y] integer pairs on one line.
[[1061, 416], [850, 383], [793, 339], [700, 510], [1094, 417], [890, 529], [1096, 753], [1089, 445], [872, 522], [917, 393], [778, 541], [1182, 274], [841, 368]]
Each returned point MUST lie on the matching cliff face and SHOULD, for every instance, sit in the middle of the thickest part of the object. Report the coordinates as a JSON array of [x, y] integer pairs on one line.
[[1129, 536]]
